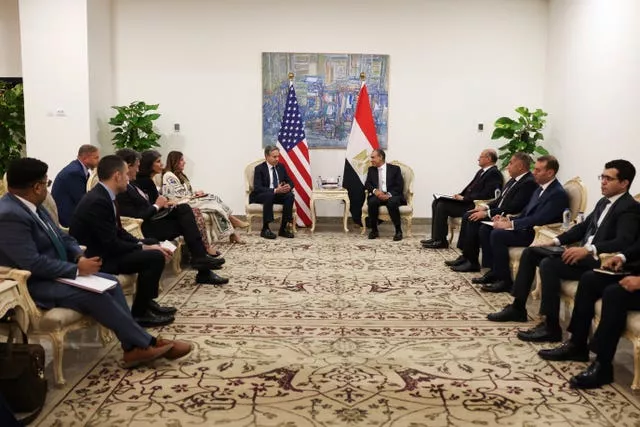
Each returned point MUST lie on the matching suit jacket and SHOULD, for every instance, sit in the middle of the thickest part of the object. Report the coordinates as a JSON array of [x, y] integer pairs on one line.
[[617, 231], [395, 182], [133, 204], [261, 179], [68, 188], [543, 209], [484, 187], [516, 198], [146, 184], [94, 224], [25, 244]]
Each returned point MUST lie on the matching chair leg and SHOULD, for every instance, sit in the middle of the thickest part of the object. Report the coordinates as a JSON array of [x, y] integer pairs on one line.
[[57, 342], [249, 218], [635, 385], [363, 228], [409, 232], [106, 335]]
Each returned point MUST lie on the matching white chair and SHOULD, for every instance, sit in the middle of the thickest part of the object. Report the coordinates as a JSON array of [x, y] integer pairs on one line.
[[406, 211], [255, 209]]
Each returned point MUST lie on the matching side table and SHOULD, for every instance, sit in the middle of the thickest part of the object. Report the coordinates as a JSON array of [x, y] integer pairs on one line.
[[10, 299], [330, 194]]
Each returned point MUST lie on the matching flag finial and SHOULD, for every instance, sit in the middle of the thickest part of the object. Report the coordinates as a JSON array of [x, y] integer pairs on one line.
[[362, 76], [291, 77]]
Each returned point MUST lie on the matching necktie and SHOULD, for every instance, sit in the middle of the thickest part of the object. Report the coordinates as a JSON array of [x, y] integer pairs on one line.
[[506, 189], [117, 209], [274, 176], [532, 202], [55, 239], [473, 182], [592, 228], [140, 192]]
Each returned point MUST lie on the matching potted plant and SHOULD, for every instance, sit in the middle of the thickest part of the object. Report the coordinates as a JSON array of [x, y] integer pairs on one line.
[[522, 132], [12, 133], [133, 126]]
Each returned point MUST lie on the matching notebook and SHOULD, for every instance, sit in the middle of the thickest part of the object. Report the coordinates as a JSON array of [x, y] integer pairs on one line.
[[91, 283]]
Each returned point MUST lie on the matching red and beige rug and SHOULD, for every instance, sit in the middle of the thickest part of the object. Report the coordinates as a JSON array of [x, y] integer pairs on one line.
[[338, 330]]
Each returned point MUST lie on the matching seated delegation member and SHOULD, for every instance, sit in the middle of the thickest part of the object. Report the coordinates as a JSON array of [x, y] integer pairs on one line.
[[385, 186], [546, 206], [178, 221], [514, 196], [482, 187], [32, 241], [96, 224], [70, 184], [272, 185], [611, 227]]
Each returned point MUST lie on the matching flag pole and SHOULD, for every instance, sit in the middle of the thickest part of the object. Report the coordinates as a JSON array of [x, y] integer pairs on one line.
[[291, 76]]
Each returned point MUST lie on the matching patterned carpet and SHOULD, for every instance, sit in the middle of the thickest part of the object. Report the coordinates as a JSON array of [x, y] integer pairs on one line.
[[338, 330]]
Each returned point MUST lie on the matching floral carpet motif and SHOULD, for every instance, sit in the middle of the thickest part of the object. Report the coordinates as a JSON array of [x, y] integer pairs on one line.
[[338, 330]]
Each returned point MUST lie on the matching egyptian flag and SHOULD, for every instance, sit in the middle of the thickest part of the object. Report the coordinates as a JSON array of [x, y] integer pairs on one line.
[[362, 141]]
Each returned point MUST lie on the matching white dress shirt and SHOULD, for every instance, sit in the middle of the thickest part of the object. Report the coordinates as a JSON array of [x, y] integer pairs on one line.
[[382, 178]]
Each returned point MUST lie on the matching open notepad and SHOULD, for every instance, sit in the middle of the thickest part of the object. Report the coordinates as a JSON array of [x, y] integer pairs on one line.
[[91, 283]]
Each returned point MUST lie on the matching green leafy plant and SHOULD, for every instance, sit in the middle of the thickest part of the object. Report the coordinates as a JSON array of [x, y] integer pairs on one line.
[[12, 133], [523, 134], [133, 126]]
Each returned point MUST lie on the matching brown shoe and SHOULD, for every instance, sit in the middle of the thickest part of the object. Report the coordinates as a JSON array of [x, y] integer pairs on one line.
[[179, 348], [138, 356]]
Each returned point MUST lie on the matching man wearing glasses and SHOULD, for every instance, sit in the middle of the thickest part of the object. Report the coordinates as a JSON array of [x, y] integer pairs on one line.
[[611, 227]]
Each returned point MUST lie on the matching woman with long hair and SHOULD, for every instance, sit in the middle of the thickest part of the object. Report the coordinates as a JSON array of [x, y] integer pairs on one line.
[[176, 186]]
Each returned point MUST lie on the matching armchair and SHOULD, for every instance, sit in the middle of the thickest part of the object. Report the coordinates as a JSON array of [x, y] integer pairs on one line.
[[255, 209], [406, 211]]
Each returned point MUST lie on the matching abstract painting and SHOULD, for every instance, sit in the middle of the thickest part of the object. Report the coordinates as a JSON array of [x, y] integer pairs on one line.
[[327, 86]]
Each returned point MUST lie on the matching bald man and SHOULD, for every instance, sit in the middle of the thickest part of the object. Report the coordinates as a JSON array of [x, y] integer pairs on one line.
[[482, 187]]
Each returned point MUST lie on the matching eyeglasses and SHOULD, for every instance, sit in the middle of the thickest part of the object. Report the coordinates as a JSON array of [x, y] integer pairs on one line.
[[47, 182], [606, 178]]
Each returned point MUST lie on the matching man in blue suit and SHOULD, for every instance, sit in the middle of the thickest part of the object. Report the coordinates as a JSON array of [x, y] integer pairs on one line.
[[271, 184], [546, 206], [32, 241], [71, 183]]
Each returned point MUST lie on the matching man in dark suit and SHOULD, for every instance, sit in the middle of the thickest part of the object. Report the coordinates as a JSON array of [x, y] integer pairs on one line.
[[96, 224], [619, 294], [546, 206], [32, 241], [71, 182], [514, 196], [611, 227], [385, 186], [483, 186], [165, 222], [272, 185]]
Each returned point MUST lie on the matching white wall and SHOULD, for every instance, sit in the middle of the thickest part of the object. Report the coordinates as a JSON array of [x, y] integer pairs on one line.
[[10, 62], [593, 89], [453, 63], [56, 79]]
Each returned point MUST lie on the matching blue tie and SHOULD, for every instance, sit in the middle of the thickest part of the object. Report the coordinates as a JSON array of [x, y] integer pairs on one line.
[[532, 202], [274, 176], [55, 239]]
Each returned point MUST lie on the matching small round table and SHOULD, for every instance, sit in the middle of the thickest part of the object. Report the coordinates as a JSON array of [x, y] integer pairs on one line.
[[330, 194]]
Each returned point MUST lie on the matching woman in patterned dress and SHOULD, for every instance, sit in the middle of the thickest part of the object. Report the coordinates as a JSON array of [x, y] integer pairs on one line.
[[176, 186]]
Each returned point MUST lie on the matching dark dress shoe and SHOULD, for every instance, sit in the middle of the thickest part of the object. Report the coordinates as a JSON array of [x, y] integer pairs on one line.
[[397, 237], [596, 375], [149, 319], [488, 277], [267, 234], [565, 351], [158, 309], [541, 333], [210, 278], [452, 263], [285, 233], [466, 267], [509, 314], [373, 234], [215, 259], [436, 244], [424, 241], [499, 286], [207, 263]]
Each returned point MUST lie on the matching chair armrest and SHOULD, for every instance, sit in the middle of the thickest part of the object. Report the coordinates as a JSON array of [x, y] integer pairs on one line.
[[482, 202], [21, 276], [133, 226], [605, 256]]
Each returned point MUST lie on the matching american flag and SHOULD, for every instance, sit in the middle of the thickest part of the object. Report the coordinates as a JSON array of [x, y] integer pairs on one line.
[[294, 155]]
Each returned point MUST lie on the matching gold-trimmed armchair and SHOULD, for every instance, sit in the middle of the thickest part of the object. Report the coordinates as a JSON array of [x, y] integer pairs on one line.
[[406, 211], [255, 209]]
